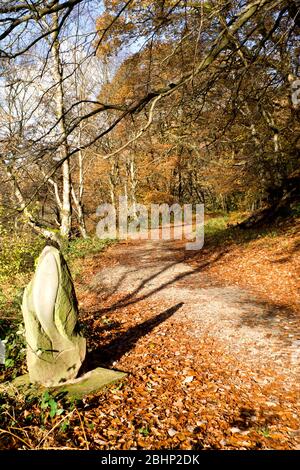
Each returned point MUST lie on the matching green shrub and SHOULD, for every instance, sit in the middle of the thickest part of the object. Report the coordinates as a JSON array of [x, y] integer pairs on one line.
[[18, 253], [15, 349], [80, 247]]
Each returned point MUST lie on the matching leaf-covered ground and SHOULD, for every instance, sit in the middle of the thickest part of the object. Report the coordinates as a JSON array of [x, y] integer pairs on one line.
[[189, 384], [210, 365]]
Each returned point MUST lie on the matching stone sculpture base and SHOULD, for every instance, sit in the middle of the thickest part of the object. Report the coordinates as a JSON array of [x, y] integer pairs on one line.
[[88, 384]]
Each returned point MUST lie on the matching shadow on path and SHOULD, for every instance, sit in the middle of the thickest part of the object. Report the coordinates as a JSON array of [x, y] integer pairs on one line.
[[131, 298], [124, 342]]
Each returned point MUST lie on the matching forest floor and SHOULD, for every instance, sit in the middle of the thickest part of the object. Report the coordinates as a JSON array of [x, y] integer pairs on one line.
[[210, 341]]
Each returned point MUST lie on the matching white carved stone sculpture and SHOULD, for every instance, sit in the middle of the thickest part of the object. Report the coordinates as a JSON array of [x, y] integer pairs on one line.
[[55, 349]]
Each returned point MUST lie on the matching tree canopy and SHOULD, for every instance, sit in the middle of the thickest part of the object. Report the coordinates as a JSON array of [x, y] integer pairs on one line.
[[168, 100]]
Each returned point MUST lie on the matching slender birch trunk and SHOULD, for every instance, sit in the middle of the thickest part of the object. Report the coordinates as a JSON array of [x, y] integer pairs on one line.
[[79, 198], [66, 206], [133, 184]]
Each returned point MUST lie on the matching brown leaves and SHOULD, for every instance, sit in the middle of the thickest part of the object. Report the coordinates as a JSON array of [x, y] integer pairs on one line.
[[185, 394], [183, 391]]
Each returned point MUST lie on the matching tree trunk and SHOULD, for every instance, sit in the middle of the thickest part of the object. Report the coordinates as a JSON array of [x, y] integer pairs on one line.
[[133, 183], [66, 207], [80, 214], [30, 219]]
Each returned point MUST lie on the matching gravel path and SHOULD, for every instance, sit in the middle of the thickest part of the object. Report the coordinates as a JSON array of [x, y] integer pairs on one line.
[[258, 334]]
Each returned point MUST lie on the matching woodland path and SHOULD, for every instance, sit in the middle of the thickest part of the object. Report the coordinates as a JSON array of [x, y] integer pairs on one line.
[[150, 292], [247, 327]]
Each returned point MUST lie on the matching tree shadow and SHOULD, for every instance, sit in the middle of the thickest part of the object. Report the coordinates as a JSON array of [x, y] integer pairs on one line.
[[281, 321], [106, 355], [266, 312], [245, 419], [106, 291], [133, 297]]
